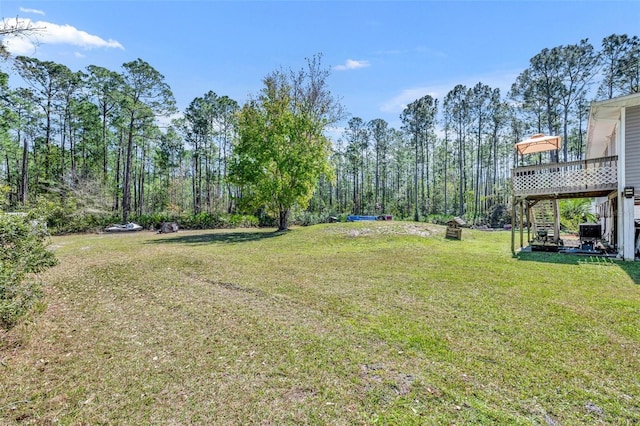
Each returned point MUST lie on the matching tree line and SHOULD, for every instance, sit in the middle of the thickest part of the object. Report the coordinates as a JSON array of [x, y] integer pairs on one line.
[[93, 139]]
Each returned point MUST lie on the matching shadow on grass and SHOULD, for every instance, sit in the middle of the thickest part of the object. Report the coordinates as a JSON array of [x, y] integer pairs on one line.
[[631, 268], [231, 237]]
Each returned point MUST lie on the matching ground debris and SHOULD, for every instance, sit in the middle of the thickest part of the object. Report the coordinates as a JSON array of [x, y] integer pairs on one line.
[[593, 408], [550, 421]]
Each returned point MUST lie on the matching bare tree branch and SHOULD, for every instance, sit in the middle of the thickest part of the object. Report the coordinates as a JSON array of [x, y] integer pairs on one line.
[[16, 28]]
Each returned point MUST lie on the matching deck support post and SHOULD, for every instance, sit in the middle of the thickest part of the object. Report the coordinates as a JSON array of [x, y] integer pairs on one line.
[[556, 220], [513, 225], [521, 224]]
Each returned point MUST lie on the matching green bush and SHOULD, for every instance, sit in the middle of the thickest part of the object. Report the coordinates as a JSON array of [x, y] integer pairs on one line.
[[243, 221], [194, 221], [23, 253], [306, 218], [439, 219], [68, 217]]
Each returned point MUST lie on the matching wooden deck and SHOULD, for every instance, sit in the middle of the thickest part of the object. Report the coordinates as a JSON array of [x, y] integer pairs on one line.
[[575, 179]]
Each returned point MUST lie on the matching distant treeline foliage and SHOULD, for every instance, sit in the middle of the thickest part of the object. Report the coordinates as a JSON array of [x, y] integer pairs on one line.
[[89, 143]]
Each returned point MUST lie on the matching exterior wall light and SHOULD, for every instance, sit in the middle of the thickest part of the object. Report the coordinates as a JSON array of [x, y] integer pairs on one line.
[[629, 192]]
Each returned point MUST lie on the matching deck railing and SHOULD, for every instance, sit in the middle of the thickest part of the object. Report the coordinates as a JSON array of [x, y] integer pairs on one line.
[[595, 174]]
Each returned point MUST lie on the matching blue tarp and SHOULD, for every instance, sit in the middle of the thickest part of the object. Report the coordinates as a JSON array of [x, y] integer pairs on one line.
[[356, 217]]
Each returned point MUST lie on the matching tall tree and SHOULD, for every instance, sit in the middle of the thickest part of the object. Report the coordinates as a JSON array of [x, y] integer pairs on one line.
[[540, 87], [281, 151], [379, 129], [48, 80], [198, 131], [226, 124], [357, 137], [70, 86], [456, 106], [620, 59], [418, 120], [577, 65], [498, 110], [25, 121], [104, 86], [479, 104], [169, 153], [144, 95]]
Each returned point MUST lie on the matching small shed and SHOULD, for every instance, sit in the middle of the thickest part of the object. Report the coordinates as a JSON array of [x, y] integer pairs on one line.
[[454, 230]]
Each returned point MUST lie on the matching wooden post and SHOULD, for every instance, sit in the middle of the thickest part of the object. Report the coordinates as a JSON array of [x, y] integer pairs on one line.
[[521, 225], [556, 220], [528, 223], [513, 225]]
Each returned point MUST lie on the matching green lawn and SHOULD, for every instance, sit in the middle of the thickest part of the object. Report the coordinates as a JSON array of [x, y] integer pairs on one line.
[[360, 323]]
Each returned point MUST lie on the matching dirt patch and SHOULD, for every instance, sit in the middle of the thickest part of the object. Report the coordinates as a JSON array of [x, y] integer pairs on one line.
[[386, 228]]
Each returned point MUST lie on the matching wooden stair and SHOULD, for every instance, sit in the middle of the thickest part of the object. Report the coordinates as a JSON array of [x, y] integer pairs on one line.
[[543, 219]]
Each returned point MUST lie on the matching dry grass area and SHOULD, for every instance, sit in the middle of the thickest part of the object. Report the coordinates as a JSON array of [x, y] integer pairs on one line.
[[335, 324]]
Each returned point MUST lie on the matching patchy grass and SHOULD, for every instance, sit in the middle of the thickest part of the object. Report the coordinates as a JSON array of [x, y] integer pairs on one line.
[[342, 324]]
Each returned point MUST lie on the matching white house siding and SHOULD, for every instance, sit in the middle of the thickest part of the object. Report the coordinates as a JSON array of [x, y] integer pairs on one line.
[[632, 148]]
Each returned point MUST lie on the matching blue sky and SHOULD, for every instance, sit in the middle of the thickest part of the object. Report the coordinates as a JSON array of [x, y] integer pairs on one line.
[[383, 54]]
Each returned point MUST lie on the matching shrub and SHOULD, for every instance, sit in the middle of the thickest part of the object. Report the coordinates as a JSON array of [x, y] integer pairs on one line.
[[23, 253], [439, 219], [499, 216], [68, 217], [195, 221], [306, 218]]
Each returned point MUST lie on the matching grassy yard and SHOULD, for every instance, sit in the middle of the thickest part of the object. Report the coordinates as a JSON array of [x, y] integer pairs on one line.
[[358, 323]]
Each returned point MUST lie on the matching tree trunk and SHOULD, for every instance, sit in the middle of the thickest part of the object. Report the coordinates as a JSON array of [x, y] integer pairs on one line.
[[416, 216], [25, 170], [126, 185], [105, 146], [283, 218]]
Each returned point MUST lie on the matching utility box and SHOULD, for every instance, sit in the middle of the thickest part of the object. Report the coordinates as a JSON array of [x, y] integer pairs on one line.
[[454, 228]]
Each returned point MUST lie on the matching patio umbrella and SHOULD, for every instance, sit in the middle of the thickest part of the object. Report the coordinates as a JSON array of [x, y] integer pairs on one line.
[[538, 143]]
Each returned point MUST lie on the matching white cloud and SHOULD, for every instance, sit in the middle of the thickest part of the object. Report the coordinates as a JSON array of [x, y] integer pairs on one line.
[[351, 64], [50, 33], [34, 11], [19, 46]]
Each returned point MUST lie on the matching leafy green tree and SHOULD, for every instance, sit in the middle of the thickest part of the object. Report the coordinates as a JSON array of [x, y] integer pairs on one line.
[[281, 151]]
